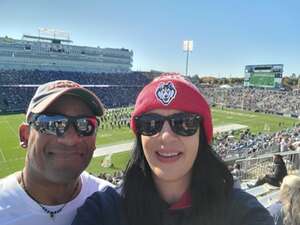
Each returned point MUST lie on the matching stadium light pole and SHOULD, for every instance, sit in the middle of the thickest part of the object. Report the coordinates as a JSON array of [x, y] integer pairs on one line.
[[187, 47]]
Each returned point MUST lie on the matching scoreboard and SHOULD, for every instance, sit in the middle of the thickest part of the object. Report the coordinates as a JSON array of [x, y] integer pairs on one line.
[[264, 76]]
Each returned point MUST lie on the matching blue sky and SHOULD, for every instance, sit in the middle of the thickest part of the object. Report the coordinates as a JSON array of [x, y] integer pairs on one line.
[[227, 35]]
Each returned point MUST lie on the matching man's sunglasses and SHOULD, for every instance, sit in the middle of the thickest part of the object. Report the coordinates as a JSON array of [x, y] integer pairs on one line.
[[59, 124], [183, 124]]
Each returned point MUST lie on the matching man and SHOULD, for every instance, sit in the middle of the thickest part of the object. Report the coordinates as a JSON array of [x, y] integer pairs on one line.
[[59, 136]]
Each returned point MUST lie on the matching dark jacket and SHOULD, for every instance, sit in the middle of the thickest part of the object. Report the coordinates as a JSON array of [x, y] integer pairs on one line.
[[104, 208], [279, 172]]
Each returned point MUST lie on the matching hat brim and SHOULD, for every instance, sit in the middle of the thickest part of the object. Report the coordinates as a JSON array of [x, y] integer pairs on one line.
[[87, 96]]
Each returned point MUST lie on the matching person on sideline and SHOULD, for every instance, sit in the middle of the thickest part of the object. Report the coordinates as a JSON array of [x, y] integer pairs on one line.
[[287, 210], [59, 137], [174, 176]]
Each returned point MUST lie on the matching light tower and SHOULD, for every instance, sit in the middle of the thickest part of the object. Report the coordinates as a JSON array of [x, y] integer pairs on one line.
[[187, 47]]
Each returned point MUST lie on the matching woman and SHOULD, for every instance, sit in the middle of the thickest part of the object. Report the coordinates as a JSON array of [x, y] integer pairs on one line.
[[279, 171], [287, 210], [173, 176]]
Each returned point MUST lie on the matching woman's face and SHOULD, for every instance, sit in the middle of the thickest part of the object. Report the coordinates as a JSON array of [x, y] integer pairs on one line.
[[169, 155]]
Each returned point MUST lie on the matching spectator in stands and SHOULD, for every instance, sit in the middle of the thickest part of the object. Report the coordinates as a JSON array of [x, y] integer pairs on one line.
[[287, 210], [237, 171], [59, 136], [173, 177], [284, 145], [279, 171], [237, 174]]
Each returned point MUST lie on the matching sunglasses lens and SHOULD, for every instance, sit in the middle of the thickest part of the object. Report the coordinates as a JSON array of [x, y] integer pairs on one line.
[[86, 126], [54, 125], [185, 124], [149, 124], [58, 124]]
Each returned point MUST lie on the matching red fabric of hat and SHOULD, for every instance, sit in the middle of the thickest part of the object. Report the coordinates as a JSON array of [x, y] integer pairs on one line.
[[173, 91]]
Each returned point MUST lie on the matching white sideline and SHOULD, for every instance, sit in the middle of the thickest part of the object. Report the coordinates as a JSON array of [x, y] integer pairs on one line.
[[112, 149]]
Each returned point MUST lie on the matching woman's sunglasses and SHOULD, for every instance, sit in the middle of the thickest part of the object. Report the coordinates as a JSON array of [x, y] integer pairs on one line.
[[59, 124], [183, 124]]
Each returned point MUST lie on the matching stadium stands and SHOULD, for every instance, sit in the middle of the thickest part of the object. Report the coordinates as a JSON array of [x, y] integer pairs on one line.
[[266, 194], [259, 100], [115, 90], [261, 190], [57, 54]]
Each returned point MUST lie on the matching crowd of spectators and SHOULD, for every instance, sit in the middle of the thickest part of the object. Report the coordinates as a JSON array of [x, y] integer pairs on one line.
[[250, 145], [17, 77], [114, 178], [118, 90], [253, 99], [115, 90]]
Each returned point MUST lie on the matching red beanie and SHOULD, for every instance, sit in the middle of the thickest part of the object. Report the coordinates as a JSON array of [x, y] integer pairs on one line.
[[173, 91]]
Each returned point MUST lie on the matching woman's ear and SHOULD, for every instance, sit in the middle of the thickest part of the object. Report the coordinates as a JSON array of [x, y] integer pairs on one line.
[[24, 131]]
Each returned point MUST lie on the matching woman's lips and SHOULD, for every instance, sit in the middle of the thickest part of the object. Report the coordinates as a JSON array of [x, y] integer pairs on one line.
[[168, 157]]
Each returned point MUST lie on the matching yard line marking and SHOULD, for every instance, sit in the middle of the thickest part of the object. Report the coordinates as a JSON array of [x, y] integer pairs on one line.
[[2, 155], [12, 130]]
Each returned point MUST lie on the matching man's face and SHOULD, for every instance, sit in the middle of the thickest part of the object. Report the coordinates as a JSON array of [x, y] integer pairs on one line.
[[61, 159]]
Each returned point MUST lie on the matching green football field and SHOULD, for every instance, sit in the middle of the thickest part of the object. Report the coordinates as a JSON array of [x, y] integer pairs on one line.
[[12, 156]]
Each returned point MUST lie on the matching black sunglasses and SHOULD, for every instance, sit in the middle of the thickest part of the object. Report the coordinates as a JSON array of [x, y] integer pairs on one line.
[[184, 124], [59, 124]]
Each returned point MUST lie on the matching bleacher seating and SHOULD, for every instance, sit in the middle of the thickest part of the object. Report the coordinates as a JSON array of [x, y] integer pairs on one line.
[[269, 198], [266, 194], [258, 191], [115, 90]]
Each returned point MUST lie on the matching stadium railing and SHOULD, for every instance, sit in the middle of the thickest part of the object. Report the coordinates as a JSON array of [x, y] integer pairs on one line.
[[255, 167]]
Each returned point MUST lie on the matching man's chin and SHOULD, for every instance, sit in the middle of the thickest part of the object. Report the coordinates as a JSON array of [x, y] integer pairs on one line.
[[64, 175]]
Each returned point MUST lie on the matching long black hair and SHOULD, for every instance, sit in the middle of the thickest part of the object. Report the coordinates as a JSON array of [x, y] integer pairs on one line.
[[278, 159], [211, 183]]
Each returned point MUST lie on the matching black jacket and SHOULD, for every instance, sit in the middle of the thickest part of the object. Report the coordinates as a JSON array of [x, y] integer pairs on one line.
[[104, 208], [279, 172]]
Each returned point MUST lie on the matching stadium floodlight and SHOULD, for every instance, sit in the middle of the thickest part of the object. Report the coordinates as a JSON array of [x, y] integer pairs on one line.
[[187, 47]]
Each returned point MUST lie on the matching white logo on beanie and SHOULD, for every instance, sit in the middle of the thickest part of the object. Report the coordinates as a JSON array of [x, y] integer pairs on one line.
[[166, 92]]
